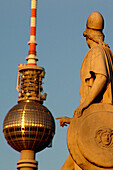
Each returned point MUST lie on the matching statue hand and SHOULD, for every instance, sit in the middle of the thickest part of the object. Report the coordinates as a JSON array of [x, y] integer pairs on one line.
[[64, 120], [79, 110]]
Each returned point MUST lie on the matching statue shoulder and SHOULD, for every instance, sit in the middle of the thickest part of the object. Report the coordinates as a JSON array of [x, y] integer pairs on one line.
[[93, 55], [96, 53], [98, 49]]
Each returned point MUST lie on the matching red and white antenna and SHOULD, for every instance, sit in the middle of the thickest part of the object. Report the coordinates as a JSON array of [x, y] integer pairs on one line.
[[29, 81], [31, 59]]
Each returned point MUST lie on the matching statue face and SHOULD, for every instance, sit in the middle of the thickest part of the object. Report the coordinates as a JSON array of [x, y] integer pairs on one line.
[[106, 138]]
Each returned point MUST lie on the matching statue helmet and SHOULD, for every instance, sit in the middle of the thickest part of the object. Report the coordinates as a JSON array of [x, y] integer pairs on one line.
[[94, 27], [95, 21]]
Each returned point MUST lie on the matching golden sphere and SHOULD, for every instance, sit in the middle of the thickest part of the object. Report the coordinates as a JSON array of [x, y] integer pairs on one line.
[[29, 126]]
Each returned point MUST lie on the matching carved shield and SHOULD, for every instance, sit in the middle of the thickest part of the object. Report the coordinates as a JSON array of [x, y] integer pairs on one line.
[[90, 138]]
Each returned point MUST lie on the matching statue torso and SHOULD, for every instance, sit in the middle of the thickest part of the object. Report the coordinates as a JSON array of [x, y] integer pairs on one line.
[[98, 60]]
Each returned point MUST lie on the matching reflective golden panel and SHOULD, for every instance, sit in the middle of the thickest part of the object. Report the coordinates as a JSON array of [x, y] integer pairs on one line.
[[29, 125]]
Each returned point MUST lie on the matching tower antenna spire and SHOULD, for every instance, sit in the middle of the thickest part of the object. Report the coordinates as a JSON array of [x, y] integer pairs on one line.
[[31, 59]]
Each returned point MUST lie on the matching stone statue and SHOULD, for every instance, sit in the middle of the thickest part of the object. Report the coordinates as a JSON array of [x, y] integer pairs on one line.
[[90, 133]]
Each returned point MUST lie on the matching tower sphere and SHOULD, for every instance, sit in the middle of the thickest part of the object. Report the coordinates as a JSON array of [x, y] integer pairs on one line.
[[29, 126]]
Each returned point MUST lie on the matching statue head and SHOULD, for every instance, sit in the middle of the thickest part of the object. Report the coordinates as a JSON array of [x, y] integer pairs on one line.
[[94, 27]]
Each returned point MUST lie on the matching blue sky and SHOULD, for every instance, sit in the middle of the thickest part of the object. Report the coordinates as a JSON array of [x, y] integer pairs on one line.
[[61, 49]]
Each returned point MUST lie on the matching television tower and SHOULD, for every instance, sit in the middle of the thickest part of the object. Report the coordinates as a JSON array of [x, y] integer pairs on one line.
[[29, 126]]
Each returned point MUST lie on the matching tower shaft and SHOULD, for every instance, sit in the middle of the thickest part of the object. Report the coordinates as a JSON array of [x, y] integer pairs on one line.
[[27, 160]]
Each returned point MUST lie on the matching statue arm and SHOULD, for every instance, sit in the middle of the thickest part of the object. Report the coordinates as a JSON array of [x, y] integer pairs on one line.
[[98, 85]]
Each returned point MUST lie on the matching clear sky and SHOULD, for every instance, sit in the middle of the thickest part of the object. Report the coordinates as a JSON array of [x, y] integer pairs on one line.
[[61, 49]]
